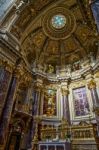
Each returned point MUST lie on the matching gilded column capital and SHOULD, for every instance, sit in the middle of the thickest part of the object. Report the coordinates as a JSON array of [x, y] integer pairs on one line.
[[96, 74], [91, 84], [3, 63], [37, 119], [38, 87], [96, 110], [18, 72], [64, 91], [7, 65], [27, 79], [23, 76]]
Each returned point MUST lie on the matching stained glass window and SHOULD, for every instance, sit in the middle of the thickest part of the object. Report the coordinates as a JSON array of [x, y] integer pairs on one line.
[[95, 10], [81, 105], [58, 21], [4, 5]]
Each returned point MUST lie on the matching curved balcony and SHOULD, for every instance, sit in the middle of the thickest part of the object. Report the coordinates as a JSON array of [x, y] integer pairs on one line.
[[24, 109]]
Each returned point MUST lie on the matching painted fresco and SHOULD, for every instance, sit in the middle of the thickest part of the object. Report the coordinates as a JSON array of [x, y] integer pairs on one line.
[[49, 108], [81, 105]]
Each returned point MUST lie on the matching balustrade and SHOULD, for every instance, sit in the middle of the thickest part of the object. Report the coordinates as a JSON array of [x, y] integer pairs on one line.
[[73, 133]]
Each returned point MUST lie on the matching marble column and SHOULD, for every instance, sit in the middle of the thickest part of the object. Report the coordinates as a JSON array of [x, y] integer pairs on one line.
[[37, 121], [94, 94], [35, 102], [35, 96], [5, 77], [33, 131], [66, 111], [6, 115], [41, 102], [41, 93], [95, 99]]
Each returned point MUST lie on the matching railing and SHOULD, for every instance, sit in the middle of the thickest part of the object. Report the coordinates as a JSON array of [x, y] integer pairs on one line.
[[82, 132], [85, 146], [78, 132]]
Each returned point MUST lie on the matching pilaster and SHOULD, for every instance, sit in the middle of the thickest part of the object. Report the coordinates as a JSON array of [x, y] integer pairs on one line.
[[66, 112]]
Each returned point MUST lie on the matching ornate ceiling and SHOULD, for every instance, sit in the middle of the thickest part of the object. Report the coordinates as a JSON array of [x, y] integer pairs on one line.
[[55, 32]]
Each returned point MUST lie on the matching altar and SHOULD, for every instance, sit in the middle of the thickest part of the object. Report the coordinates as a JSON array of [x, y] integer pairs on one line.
[[54, 145]]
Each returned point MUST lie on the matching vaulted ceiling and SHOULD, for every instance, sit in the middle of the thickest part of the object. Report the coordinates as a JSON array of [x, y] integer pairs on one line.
[[42, 43]]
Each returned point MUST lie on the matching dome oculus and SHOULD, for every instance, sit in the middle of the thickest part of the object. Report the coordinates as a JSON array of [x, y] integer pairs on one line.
[[58, 21]]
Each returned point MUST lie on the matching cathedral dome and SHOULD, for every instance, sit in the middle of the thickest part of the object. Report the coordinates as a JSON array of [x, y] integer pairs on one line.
[[54, 35]]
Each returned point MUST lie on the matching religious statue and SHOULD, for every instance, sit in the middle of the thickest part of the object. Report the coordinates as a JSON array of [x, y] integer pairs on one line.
[[50, 69]]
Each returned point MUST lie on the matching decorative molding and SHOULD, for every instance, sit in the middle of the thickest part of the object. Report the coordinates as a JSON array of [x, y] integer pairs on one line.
[[64, 32]]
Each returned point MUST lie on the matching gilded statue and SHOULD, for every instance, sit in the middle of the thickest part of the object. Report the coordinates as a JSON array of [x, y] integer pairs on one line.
[[50, 69], [51, 106]]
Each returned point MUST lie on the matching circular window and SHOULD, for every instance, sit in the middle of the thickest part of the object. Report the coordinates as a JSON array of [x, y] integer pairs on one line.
[[58, 21]]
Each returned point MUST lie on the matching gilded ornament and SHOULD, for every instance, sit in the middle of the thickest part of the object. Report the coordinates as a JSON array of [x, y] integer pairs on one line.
[[50, 69], [64, 91], [92, 84]]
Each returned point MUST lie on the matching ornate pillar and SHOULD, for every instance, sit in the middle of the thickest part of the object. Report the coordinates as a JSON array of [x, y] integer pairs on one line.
[[36, 98], [95, 99], [37, 120], [36, 94], [7, 110], [41, 102], [66, 112], [5, 76], [35, 110]]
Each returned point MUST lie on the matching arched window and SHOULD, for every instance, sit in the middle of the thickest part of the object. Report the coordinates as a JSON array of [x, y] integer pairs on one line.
[[4, 5], [95, 10]]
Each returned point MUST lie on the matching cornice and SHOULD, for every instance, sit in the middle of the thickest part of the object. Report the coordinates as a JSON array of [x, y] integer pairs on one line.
[[9, 40], [73, 76]]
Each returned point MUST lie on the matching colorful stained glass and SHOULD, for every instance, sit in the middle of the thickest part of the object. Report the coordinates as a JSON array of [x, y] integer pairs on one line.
[[81, 104], [95, 10], [58, 21]]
